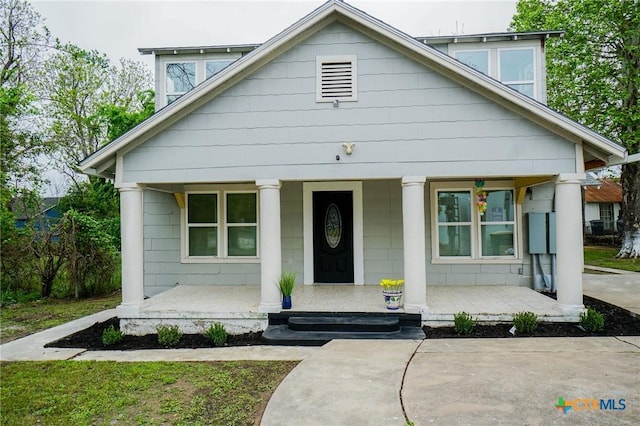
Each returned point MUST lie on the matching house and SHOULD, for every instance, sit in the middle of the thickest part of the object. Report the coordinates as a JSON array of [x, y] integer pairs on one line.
[[602, 207], [42, 216], [348, 151]]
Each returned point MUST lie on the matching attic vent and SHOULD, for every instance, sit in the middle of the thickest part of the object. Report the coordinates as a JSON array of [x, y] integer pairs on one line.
[[336, 78]]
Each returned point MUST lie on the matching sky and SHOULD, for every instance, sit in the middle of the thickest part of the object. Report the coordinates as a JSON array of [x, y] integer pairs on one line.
[[119, 27]]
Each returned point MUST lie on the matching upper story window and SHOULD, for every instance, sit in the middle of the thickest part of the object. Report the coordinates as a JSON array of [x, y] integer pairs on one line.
[[461, 232], [214, 67], [478, 59], [336, 78], [181, 77], [517, 69], [181, 73]]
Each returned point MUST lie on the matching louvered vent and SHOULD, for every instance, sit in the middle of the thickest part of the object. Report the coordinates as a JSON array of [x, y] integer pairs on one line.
[[336, 78]]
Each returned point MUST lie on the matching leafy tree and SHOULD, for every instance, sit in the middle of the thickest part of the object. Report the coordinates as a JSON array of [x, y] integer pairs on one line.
[[22, 41], [593, 76], [82, 91]]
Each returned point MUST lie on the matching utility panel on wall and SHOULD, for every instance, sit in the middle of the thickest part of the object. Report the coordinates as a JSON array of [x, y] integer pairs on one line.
[[537, 233]]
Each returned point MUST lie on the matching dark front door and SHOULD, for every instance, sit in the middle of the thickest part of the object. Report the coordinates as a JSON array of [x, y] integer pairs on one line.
[[333, 236]]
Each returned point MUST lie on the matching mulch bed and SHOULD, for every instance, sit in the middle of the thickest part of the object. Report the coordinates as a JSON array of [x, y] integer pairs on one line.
[[618, 322]]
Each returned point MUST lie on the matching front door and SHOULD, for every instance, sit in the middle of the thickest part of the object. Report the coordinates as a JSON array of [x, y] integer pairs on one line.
[[333, 236]]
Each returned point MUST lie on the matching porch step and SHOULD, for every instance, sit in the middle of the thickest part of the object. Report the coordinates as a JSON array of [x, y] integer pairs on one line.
[[316, 329], [348, 324]]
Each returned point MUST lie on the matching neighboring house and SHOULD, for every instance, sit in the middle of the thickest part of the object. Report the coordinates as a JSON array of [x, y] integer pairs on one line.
[[602, 207], [348, 151], [42, 216]]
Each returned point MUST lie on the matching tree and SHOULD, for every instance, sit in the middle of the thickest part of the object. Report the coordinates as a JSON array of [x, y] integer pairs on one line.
[[23, 39], [593, 76], [80, 88]]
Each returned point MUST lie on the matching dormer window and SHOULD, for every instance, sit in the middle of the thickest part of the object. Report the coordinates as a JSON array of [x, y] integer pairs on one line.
[[336, 78], [214, 67], [516, 69], [181, 77], [477, 59]]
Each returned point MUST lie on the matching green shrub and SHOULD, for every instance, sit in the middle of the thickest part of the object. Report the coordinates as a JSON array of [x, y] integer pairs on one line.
[[111, 336], [463, 323], [217, 334], [592, 320], [168, 335], [525, 322]]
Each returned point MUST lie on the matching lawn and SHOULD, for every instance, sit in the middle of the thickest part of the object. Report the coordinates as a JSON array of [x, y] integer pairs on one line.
[[606, 257], [21, 319], [137, 393]]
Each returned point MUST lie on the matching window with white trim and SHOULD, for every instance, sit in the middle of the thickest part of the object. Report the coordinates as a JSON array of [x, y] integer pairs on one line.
[[478, 59], [210, 234], [336, 78], [516, 68], [461, 231], [180, 78]]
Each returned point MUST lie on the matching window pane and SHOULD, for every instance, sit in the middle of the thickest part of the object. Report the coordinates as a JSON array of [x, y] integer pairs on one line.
[[202, 208], [499, 206], [454, 207], [172, 98], [203, 241], [525, 89], [214, 67], [497, 240], [516, 65], [241, 208], [181, 77], [478, 60], [455, 240], [242, 241]]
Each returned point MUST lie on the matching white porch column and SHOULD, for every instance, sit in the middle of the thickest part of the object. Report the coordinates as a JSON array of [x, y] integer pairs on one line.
[[270, 246], [132, 251], [569, 242], [415, 275]]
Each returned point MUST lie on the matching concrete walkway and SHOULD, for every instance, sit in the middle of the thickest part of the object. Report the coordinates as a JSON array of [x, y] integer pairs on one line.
[[620, 289]]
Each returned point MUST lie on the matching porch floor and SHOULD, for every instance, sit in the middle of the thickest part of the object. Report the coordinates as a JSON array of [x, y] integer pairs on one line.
[[238, 304]]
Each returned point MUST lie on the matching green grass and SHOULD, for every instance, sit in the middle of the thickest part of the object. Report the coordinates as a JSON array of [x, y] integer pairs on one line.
[[606, 257], [142, 393], [21, 319]]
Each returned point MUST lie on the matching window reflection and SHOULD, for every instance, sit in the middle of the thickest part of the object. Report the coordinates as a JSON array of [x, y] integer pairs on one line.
[[478, 60], [214, 67]]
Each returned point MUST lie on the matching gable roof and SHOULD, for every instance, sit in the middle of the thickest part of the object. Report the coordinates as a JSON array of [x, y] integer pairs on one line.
[[102, 162], [607, 192]]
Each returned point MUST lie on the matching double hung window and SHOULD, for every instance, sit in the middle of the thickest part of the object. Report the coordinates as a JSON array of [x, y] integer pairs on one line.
[[181, 77], [461, 231], [517, 69], [222, 224]]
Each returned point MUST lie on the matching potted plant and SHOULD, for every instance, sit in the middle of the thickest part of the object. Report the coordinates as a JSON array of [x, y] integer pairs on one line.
[[286, 284], [392, 292]]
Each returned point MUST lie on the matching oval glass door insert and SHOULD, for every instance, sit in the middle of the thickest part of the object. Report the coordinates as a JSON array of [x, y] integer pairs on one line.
[[333, 225]]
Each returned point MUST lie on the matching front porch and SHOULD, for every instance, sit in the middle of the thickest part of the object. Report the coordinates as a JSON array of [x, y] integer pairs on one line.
[[195, 308]]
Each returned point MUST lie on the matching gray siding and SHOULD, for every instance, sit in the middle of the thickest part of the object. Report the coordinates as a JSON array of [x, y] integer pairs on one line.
[[383, 245], [163, 268], [382, 228], [408, 120]]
